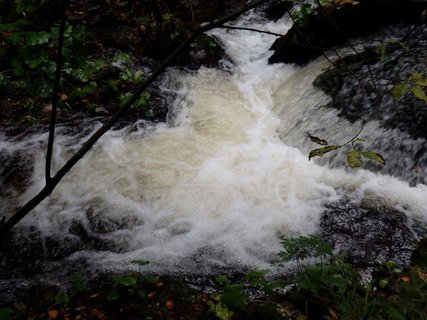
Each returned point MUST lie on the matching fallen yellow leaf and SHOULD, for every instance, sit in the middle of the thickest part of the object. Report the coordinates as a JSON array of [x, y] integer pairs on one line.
[[52, 314]]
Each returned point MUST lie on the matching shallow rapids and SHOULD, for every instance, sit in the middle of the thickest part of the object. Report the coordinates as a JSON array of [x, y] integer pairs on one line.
[[220, 182]]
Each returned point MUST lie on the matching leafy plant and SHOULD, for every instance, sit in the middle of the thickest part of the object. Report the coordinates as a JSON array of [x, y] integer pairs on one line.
[[354, 156], [304, 247], [79, 283], [311, 8], [416, 83], [229, 301], [6, 313]]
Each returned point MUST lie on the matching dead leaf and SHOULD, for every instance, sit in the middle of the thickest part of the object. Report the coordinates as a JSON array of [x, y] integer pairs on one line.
[[52, 314], [169, 304]]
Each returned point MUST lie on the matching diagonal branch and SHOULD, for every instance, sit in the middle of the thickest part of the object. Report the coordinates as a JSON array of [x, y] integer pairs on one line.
[[53, 182]]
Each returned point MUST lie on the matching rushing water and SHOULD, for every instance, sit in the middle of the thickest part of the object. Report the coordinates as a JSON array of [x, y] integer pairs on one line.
[[220, 182]]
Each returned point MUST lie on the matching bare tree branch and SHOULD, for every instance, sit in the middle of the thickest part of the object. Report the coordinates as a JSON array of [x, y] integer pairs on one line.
[[52, 182], [61, 4]]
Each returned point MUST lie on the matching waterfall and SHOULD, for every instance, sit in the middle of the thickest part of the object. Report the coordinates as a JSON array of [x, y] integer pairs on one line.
[[217, 184]]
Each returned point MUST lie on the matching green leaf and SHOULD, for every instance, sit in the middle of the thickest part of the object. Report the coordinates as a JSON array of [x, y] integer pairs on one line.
[[35, 38], [256, 277], [142, 294], [304, 247], [222, 312], [422, 82], [113, 295], [419, 92], [399, 90], [17, 67], [359, 140], [6, 313], [141, 262], [381, 49], [62, 298], [415, 76], [78, 282], [321, 151], [223, 280], [14, 38], [373, 156], [126, 281], [354, 159], [317, 140], [234, 298]]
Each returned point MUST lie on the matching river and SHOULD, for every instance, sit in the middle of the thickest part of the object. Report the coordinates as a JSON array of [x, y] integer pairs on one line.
[[215, 186]]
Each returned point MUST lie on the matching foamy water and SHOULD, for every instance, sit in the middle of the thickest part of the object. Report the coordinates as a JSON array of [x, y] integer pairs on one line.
[[227, 175]]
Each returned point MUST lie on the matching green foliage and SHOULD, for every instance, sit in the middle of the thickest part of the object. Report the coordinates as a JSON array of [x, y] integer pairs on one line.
[[79, 283], [62, 298], [125, 281], [230, 300], [233, 298], [373, 156], [125, 286], [354, 159], [140, 102], [28, 63], [335, 287], [304, 247], [321, 151], [308, 9], [223, 280], [221, 311], [32, 52], [6, 313], [354, 156], [415, 84], [258, 278]]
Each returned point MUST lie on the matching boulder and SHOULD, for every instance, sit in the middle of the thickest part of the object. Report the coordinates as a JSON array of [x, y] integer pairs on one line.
[[331, 27], [370, 232]]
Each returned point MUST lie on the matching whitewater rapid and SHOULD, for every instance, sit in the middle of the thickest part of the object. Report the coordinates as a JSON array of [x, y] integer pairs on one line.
[[222, 180]]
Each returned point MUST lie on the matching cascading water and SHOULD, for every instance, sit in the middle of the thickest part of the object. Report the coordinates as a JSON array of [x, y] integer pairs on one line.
[[220, 182]]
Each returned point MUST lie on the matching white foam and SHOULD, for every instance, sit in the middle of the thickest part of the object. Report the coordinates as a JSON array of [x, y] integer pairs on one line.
[[218, 185]]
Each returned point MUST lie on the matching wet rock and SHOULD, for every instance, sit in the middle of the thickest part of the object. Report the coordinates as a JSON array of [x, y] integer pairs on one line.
[[205, 10], [366, 94], [419, 256], [92, 241], [121, 37], [16, 169], [368, 234], [333, 26], [99, 222], [277, 10]]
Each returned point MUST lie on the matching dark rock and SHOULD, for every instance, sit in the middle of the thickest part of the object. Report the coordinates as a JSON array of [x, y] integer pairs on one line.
[[419, 256], [303, 43], [206, 10], [99, 222], [366, 94], [263, 311], [16, 169], [277, 10], [369, 233], [120, 37]]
